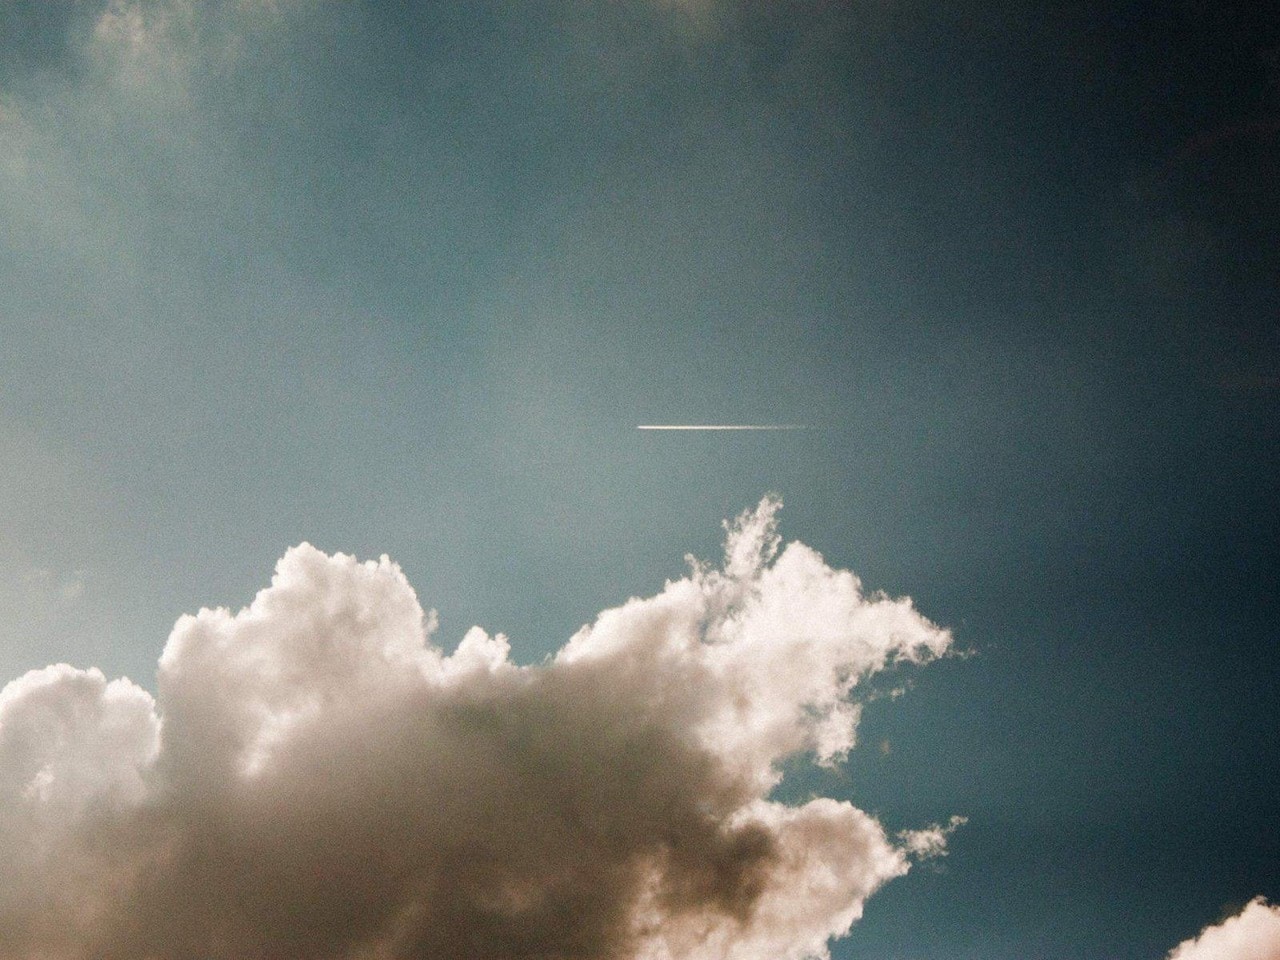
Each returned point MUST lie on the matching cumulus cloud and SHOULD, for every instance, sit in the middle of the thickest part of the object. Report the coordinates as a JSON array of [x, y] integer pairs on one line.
[[1252, 934], [315, 779]]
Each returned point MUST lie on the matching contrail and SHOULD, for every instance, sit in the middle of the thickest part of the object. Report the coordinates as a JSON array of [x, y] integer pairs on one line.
[[724, 426]]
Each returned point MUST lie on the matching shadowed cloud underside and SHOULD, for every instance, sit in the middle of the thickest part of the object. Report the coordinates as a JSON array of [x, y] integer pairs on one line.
[[316, 780]]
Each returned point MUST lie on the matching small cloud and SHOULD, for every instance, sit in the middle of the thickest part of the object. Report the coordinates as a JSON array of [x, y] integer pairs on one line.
[[44, 585], [930, 842]]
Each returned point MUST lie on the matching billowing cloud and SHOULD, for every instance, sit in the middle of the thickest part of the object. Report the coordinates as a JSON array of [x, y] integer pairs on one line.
[[1252, 934], [315, 779]]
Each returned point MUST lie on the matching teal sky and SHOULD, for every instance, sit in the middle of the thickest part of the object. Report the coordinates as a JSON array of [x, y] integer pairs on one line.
[[403, 278]]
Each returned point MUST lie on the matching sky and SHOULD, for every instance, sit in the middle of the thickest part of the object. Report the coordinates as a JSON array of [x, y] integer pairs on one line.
[[403, 279]]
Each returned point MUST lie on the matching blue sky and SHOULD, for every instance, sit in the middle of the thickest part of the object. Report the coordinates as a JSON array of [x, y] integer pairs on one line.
[[403, 278]]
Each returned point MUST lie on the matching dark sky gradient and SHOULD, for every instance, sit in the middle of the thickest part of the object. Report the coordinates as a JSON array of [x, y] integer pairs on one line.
[[403, 278]]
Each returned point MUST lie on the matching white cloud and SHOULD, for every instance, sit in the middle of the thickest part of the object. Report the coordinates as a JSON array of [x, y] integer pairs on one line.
[[1252, 934], [931, 841], [316, 779]]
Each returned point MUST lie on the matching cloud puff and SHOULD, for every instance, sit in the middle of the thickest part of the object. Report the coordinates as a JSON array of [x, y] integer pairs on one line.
[[1252, 934], [315, 779]]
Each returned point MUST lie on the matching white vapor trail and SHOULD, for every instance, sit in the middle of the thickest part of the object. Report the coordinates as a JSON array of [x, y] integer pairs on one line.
[[725, 426]]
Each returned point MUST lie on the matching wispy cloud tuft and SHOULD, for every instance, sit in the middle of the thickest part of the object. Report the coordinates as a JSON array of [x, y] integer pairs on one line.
[[931, 841], [315, 779]]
